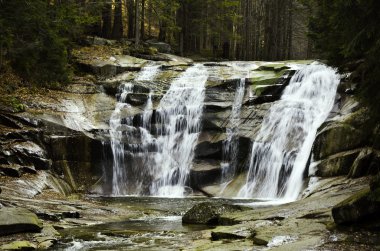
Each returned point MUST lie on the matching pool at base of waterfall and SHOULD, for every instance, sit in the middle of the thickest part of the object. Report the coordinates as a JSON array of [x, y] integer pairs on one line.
[[160, 227]]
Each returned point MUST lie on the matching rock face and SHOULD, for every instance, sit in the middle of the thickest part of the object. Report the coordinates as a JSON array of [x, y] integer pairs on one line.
[[18, 220], [346, 142], [208, 213]]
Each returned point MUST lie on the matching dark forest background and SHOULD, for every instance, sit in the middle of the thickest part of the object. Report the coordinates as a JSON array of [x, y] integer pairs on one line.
[[37, 36]]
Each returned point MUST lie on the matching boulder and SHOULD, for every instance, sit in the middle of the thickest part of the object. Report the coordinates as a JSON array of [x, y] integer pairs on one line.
[[208, 213], [337, 137], [160, 46], [359, 208], [18, 220]]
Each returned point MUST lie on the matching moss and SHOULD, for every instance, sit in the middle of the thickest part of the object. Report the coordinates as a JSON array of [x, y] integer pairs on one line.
[[273, 67], [354, 197], [13, 103], [18, 245], [265, 77]]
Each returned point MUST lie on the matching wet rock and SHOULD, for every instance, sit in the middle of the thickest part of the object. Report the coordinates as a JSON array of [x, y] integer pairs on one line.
[[335, 138], [11, 170], [260, 241], [57, 216], [208, 213], [361, 165], [18, 220], [137, 98], [31, 153], [205, 172], [343, 134], [337, 164], [18, 245], [215, 236], [209, 150], [46, 244], [273, 67], [359, 208]]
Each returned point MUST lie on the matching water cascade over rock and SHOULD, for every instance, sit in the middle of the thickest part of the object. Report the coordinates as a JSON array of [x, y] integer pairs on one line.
[[282, 147], [154, 155], [119, 126], [179, 116], [231, 144]]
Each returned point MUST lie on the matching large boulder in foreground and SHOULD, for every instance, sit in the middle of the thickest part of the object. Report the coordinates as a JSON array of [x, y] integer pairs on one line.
[[18, 220], [361, 207], [208, 213]]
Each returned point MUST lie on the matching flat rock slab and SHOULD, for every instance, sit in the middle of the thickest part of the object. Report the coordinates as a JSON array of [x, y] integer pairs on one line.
[[18, 245], [18, 220]]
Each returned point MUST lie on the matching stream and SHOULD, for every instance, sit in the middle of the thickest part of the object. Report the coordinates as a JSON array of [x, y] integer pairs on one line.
[[160, 228]]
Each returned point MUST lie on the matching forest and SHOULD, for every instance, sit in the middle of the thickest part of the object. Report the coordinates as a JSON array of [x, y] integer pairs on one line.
[[37, 36]]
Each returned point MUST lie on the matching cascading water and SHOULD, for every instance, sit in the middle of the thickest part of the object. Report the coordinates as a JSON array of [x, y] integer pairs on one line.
[[117, 129], [178, 118], [231, 144], [282, 147]]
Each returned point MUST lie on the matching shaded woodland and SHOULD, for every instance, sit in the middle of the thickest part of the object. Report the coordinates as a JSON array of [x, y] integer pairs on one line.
[[229, 29], [37, 37]]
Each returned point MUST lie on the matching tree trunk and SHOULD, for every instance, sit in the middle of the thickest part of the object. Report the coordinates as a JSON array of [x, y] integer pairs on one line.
[[137, 35], [131, 18], [117, 31], [142, 19], [107, 20]]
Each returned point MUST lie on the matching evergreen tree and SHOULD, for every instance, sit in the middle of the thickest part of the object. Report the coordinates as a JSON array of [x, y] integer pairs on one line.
[[36, 35], [345, 31]]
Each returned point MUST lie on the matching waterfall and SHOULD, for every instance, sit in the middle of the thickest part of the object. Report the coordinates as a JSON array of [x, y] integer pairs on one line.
[[118, 126], [283, 145], [178, 118], [231, 144]]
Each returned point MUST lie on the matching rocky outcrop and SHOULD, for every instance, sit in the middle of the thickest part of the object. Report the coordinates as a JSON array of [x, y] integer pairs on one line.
[[346, 142]]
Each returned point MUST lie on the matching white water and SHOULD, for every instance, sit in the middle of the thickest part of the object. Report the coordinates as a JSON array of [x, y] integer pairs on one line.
[[178, 116], [117, 129], [282, 147], [231, 144]]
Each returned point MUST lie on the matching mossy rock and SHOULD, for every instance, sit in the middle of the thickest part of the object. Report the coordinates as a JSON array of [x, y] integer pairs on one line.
[[18, 245], [208, 213], [337, 164], [359, 208], [273, 67], [18, 220], [336, 138]]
